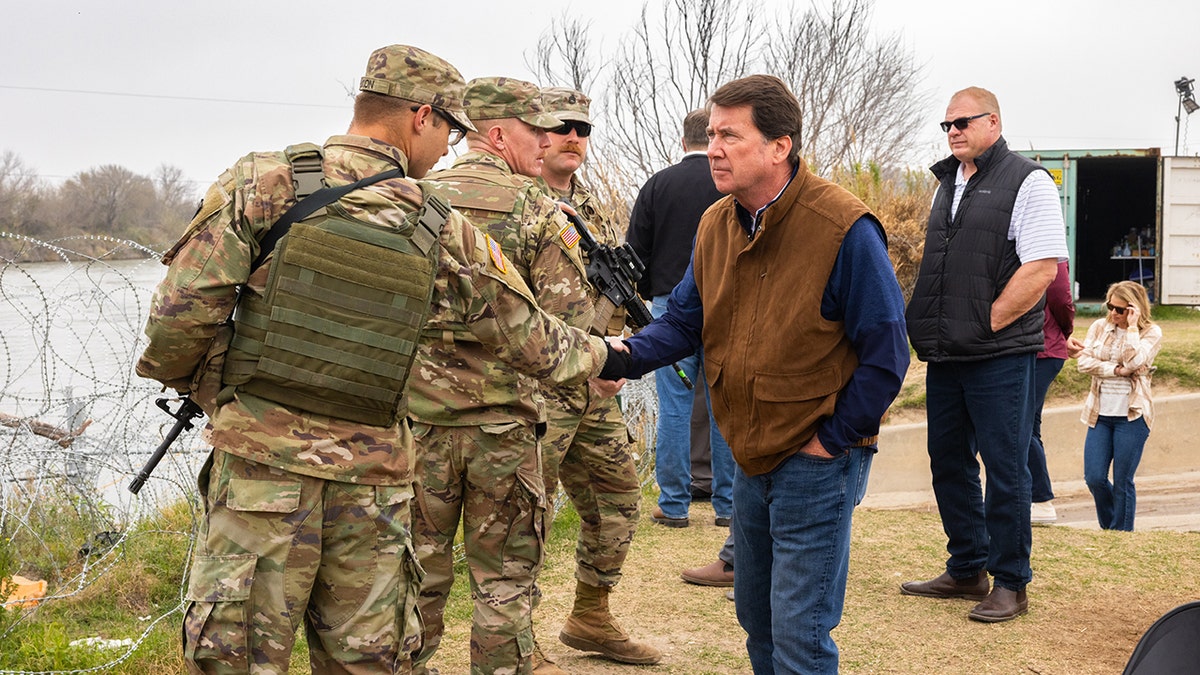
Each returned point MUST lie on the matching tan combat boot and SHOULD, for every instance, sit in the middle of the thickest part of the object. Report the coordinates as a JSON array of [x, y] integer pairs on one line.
[[591, 628]]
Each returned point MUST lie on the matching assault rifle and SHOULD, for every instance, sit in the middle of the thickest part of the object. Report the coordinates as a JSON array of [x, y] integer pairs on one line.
[[184, 414], [615, 271]]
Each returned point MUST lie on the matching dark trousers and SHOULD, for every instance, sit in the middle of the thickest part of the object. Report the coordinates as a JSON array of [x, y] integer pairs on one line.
[[1044, 372], [983, 410]]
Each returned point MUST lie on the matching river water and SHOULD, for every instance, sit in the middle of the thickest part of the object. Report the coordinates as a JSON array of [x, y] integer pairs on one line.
[[71, 325], [70, 334]]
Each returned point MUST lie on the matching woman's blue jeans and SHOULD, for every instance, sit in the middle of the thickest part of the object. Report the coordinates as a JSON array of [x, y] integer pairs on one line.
[[1115, 442]]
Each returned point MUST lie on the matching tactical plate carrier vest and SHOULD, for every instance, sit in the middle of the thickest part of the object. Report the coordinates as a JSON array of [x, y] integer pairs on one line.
[[335, 331]]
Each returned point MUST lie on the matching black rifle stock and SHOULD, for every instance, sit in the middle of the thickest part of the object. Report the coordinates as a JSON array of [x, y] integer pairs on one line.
[[184, 414], [615, 271]]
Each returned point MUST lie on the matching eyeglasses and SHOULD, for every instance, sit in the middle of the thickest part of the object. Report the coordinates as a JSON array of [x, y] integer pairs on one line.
[[961, 123], [457, 132], [583, 129], [1113, 308]]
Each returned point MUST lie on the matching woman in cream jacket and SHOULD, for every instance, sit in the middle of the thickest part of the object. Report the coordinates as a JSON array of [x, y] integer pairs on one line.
[[1118, 353]]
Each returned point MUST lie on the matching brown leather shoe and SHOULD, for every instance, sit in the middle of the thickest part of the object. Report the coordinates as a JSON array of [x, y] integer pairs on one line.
[[719, 573], [1001, 605], [945, 586], [659, 517]]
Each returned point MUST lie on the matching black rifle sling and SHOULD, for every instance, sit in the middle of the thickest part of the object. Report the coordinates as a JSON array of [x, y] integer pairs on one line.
[[308, 206]]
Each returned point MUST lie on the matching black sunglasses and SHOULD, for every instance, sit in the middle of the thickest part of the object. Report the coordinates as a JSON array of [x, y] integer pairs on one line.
[[961, 123], [583, 129], [1113, 308]]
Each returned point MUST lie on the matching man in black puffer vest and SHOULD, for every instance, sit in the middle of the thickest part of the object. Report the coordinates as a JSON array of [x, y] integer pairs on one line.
[[994, 240]]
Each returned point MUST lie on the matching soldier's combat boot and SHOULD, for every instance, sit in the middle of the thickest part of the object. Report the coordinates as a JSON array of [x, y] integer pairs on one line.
[[591, 628]]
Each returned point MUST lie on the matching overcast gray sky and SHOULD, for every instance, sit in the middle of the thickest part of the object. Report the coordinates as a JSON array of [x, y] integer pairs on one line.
[[197, 84]]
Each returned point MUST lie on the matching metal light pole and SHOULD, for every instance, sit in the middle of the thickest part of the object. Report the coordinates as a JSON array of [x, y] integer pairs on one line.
[[1183, 87]]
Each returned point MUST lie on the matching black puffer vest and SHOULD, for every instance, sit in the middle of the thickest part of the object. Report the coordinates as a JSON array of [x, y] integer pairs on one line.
[[968, 262]]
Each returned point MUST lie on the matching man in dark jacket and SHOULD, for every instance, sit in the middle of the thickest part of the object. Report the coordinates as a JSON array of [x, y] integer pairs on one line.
[[995, 238]]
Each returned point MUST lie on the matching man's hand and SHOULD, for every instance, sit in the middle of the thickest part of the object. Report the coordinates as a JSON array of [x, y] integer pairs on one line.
[[1023, 291], [605, 388], [814, 448], [618, 362]]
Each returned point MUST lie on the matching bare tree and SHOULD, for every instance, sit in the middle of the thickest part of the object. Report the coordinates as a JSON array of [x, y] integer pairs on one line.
[[858, 95], [668, 67], [563, 57], [110, 200], [20, 192], [173, 189]]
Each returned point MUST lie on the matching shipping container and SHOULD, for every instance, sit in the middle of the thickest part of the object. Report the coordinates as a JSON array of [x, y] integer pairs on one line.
[[1130, 214]]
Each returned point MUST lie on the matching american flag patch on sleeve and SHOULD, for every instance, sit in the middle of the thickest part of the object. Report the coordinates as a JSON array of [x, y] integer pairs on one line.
[[496, 254], [569, 235]]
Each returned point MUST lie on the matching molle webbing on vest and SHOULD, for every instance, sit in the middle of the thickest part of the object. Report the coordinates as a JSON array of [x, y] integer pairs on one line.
[[335, 331]]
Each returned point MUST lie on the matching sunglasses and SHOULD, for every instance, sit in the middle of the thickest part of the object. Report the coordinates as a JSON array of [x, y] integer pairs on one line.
[[961, 123], [1113, 308], [582, 129]]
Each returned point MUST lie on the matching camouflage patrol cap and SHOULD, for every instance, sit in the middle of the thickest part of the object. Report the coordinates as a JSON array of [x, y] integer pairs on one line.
[[416, 75], [495, 98], [567, 105]]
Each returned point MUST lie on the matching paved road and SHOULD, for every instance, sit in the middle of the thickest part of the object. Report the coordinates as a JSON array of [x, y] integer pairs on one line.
[[1163, 503]]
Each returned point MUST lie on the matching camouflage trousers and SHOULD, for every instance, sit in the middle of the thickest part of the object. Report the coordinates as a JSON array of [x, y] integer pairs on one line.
[[490, 476], [276, 549], [587, 448]]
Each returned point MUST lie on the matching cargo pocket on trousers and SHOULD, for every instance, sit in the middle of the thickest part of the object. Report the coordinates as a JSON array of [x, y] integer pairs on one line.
[[216, 623], [526, 504], [410, 622]]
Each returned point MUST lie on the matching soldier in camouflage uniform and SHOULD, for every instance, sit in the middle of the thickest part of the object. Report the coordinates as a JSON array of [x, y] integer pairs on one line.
[[307, 515], [587, 445], [477, 418]]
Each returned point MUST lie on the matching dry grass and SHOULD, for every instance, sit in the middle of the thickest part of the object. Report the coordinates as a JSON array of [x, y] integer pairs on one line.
[[1093, 595]]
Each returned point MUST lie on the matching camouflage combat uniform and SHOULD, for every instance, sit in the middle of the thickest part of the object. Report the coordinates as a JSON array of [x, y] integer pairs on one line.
[[587, 444], [476, 419], [307, 517]]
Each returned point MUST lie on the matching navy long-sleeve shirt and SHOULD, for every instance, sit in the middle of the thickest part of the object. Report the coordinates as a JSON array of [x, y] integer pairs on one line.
[[862, 293]]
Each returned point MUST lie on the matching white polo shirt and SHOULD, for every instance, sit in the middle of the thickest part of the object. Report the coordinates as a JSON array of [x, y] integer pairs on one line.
[[1037, 222]]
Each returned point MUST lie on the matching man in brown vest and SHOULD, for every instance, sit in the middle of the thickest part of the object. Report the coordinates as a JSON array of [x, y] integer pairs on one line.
[[793, 298]]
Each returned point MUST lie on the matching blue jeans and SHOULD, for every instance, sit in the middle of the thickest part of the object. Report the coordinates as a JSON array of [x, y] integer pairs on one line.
[[792, 535], [673, 451], [983, 410], [1118, 442], [1044, 372]]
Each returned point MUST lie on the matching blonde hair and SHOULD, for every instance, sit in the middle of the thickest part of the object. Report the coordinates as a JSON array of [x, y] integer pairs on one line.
[[1132, 293]]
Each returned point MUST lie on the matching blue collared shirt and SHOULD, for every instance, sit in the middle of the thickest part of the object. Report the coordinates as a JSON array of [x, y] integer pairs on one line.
[[862, 293]]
